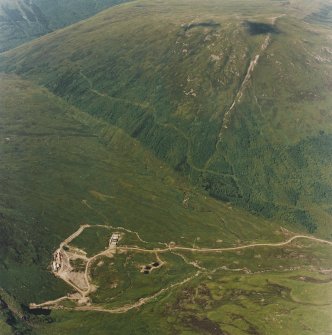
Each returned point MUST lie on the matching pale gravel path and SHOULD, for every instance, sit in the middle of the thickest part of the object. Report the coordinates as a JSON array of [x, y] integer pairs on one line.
[[53, 304]]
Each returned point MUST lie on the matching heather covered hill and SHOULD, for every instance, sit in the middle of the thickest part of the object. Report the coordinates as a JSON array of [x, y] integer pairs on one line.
[[236, 98], [165, 168]]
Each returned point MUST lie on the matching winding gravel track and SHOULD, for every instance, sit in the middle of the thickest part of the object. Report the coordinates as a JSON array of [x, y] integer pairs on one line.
[[53, 304]]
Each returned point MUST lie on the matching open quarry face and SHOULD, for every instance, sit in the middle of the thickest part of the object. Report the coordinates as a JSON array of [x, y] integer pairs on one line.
[[72, 265]]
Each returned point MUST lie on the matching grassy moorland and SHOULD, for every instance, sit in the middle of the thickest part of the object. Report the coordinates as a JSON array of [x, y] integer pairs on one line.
[[181, 121], [183, 83], [62, 168], [54, 163]]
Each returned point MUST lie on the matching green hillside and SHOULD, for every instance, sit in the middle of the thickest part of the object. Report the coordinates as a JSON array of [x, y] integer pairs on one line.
[[22, 20], [197, 132], [61, 168], [236, 101]]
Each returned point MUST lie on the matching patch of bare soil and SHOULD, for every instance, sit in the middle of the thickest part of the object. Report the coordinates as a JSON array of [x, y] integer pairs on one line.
[[77, 278]]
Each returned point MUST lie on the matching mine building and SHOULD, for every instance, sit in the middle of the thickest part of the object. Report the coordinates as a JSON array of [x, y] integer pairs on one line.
[[114, 240]]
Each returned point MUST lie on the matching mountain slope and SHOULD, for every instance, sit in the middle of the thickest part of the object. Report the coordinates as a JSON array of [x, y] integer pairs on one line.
[[55, 159], [236, 101], [24, 20], [62, 168]]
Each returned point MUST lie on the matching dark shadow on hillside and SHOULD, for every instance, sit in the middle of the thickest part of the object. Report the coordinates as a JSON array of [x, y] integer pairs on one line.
[[38, 311], [260, 28]]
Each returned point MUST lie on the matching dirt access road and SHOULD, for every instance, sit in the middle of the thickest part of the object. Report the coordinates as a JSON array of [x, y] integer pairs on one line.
[[82, 296]]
